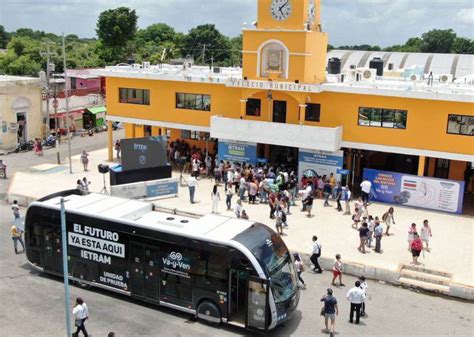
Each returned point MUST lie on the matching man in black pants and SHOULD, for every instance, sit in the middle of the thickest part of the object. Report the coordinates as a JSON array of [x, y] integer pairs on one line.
[[356, 296], [315, 254], [338, 196]]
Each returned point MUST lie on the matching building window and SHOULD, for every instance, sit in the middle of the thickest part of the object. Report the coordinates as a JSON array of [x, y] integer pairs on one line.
[[385, 118], [313, 112], [193, 101], [461, 125], [194, 135], [253, 107], [134, 96]]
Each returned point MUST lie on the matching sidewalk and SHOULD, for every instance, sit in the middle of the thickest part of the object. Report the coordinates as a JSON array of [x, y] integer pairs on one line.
[[452, 242]]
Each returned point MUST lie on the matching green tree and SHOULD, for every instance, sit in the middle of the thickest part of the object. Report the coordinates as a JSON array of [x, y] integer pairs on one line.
[[116, 27], [462, 45], [157, 33], [236, 51], [438, 41], [413, 45], [207, 37]]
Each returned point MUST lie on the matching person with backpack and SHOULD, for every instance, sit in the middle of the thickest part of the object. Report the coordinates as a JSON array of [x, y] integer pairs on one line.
[[279, 221], [81, 314], [329, 311], [388, 219], [315, 254]]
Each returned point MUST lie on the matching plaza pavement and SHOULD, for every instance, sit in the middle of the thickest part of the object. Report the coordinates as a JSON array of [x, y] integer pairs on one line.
[[452, 241]]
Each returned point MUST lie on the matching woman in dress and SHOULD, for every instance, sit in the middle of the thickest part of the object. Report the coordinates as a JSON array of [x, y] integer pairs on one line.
[[388, 219], [216, 197], [85, 159]]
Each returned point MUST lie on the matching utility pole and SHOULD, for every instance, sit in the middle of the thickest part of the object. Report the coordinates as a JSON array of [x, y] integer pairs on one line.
[[66, 92], [48, 55], [203, 54], [58, 137]]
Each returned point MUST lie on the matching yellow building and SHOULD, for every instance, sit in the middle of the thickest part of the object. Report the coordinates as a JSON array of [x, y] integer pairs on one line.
[[283, 100]]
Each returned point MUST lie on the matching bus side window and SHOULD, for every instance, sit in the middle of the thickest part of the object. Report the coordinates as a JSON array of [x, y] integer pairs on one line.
[[214, 266]]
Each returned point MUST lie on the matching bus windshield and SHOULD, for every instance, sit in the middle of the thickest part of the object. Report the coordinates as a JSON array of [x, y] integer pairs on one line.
[[273, 256]]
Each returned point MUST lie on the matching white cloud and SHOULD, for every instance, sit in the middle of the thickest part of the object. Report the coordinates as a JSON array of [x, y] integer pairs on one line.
[[466, 15]]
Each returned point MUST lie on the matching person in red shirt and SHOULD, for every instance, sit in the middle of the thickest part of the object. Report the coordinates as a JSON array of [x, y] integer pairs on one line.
[[416, 247]]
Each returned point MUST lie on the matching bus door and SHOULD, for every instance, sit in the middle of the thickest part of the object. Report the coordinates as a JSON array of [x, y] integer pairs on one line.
[[237, 300], [53, 259], [144, 273], [257, 307]]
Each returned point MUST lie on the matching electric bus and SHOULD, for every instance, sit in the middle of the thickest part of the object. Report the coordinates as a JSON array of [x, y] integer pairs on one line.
[[217, 268]]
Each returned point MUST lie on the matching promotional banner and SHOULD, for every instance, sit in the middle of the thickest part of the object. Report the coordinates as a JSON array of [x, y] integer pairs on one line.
[[423, 192], [311, 163], [236, 151], [141, 153], [146, 189]]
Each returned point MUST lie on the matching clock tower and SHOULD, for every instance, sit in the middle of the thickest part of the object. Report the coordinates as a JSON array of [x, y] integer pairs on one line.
[[287, 43]]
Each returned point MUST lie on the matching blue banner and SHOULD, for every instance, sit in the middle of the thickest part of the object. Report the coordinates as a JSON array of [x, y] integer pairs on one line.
[[410, 190], [162, 188], [311, 163], [237, 152]]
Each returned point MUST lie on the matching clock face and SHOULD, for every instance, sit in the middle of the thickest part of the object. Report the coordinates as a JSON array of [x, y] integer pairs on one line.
[[280, 9]]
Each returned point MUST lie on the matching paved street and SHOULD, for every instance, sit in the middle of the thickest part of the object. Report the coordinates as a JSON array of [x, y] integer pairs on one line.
[[33, 304]]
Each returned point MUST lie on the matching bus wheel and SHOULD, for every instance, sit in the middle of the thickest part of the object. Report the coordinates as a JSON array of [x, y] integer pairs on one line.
[[209, 312]]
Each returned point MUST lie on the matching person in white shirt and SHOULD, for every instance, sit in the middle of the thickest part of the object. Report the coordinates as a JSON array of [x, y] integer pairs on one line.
[[81, 314], [356, 296], [315, 254], [363, 286], [192, 183], [366, 186]]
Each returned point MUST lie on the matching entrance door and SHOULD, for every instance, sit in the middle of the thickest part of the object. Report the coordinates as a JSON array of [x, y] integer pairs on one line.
[[53, 259], [257, 309], [152, 282], [237, 303], [144, 276], [137, 274], [279, 111], [21, 132]]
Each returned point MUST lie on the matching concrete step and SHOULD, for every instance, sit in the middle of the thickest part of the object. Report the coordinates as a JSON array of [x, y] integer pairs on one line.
[[429, 278], [424, 285], [427, 271]]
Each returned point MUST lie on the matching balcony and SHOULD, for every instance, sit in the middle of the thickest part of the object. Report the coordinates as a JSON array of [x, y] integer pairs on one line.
[[294, 135]]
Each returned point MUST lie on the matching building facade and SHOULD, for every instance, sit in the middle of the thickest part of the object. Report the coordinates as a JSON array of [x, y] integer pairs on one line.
[[283, 102], [20, 110], [85, 92]]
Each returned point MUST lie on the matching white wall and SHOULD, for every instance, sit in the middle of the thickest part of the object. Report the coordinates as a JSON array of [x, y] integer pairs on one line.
[[299, 136]]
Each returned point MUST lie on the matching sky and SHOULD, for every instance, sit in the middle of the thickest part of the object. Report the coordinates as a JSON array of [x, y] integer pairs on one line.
[[348, 22]]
